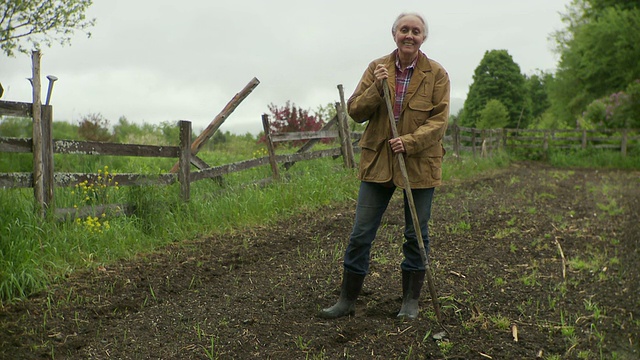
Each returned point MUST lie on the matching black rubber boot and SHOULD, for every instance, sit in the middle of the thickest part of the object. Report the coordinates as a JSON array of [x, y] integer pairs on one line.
[[411, 285], [346, 305]]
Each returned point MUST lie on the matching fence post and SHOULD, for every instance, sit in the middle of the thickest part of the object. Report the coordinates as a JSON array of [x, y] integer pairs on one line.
[[47, 156], [494, 146], [184, 162], [473, 141], [504, 138], [584, 139], [342, 136], [483, 144], [349, 145], [456, 139], [623, 143], [38, 186], [270, 148], [545, 144]]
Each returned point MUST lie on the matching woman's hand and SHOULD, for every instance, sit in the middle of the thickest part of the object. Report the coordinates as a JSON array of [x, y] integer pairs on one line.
[[380, 73], [396, 145]]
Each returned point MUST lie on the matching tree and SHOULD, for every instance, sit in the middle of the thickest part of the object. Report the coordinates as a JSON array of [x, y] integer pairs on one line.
[[125, 131], [41, 22], [18, 127], [548, 121], [94, 127], [64, 130], [493, 116], [290, 118], [326, 112], [615, 111], [497, 77], [629, 111], [536, 86], [599, 54], [170, 133], [596, 6]]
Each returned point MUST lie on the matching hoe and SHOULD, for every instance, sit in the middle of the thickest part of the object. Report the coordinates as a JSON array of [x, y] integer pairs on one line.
[[414, 213]]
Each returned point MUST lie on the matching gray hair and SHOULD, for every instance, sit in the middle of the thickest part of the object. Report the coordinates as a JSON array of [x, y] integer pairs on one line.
[[425, 29]]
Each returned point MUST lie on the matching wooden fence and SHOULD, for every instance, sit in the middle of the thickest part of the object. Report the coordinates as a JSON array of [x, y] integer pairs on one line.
[[43, 179], [185, 152], [459, 139], [485, 142]]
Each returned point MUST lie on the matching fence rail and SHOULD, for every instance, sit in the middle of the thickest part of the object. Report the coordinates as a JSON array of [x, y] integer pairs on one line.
[[486, 141], [26, 180], [459, 139], [181, 173], [482, 142], [43, 179]]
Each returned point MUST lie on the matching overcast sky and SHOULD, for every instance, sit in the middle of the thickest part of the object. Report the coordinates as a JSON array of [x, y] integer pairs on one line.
[[160, 60]]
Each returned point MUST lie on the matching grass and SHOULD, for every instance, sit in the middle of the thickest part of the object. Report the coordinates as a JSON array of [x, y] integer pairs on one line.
[[467, 166], [38, 253], [501, 322], [34, 254], [459, 227], [594, 158], [211, 351]]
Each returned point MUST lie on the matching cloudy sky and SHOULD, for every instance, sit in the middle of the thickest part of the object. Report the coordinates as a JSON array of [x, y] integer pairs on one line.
[[161, 60]]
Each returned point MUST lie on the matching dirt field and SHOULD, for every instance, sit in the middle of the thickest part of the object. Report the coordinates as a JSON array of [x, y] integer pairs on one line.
[[551, 253]]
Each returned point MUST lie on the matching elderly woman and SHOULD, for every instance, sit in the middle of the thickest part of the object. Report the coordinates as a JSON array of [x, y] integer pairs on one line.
[[419, 90]]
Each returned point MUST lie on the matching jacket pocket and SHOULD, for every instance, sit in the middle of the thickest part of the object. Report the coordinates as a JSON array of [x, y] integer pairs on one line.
[[418, 112], [374, 161], [420, 104], [436, 167], [425, 167]]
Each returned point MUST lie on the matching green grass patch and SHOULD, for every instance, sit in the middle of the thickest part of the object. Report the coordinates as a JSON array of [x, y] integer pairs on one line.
[[34, 253], [595, 159]]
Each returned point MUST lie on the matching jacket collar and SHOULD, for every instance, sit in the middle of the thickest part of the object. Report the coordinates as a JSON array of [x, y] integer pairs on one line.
[[423, 66]]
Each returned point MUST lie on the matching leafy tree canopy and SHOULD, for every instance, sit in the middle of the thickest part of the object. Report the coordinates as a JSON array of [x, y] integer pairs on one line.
[[290, 118], [497, 77], [494, 116], [599, 54], [536, 86], [597, 6], [617, 110], [27, 24], [94, 127]]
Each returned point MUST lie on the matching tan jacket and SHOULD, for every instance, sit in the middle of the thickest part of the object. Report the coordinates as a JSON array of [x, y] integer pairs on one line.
[[422, 124]]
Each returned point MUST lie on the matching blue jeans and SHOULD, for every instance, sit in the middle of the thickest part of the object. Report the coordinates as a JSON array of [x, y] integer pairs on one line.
[[373, 200]]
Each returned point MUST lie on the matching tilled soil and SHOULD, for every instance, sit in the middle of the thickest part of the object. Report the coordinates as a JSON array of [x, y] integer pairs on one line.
[[531, 262]]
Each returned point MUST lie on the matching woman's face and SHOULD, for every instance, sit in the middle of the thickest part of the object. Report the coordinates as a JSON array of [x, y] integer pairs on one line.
[[409, 35]]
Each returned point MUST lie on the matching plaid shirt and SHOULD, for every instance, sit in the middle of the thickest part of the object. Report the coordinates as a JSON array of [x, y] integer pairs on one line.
[[402, 82]]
